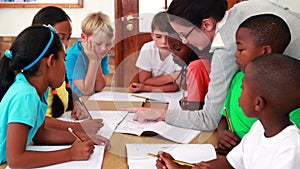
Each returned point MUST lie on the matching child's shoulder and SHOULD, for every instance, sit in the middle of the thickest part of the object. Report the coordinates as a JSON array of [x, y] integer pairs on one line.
[[149, 45], [75, 48], [238, 77]]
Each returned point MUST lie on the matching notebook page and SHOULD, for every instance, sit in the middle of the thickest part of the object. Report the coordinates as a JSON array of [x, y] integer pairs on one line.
[[192, 153], [94, 162], [176, 134], [115, 96], [110, 119]]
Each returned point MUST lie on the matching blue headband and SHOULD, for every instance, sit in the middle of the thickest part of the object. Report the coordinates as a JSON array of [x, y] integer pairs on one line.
[[43, 52], [8, 53]]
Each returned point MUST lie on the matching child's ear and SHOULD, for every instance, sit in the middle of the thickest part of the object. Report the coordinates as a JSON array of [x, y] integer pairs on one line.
[[259, 104], [84, 36], [208, 24], [152, 35], [50, 60], [267, 49]]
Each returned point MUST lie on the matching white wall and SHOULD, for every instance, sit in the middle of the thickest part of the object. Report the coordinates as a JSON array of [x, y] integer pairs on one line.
[[14, 20], [293, 5]]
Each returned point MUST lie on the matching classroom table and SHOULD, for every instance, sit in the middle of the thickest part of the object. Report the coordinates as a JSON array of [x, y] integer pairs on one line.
[[116, 157]]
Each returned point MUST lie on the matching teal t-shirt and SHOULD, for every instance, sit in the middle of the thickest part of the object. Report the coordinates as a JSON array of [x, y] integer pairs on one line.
[[21, 104], [241, 124], [77, 65]]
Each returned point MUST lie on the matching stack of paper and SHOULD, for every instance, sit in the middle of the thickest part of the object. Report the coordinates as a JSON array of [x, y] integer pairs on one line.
[[137, 154], [94, 162]]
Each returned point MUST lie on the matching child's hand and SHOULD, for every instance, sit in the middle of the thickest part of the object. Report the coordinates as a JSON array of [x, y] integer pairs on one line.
[[78, 112], [165, 161], [91, 126], [136, 87], [101, 141], [90, 51], [227, 140], [81, 150]]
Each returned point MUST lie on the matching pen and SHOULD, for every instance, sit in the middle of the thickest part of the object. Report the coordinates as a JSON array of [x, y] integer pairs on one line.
[[81, 102], [176, 161], [143, 97], [228, 121], [74, 134]]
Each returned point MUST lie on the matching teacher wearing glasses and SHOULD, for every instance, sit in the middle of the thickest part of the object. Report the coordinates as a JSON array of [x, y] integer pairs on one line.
[[206, 22]]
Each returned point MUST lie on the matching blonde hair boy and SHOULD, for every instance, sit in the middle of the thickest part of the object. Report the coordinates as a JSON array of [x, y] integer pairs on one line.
[[87, 59]]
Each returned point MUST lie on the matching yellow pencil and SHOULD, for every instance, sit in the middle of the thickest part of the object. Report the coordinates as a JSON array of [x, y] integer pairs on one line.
[[227, 118], [176, 161], [143, 97], [74, 134]]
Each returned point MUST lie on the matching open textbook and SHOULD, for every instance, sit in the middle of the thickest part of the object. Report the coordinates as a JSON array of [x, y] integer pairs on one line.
[[94, 162], [110, 120], [173, 133], [137, 154]]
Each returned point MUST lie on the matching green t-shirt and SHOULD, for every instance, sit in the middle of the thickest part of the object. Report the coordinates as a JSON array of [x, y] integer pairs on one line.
[[241, 124]]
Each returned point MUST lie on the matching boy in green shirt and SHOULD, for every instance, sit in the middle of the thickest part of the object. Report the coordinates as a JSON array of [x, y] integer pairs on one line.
[[257, 35]]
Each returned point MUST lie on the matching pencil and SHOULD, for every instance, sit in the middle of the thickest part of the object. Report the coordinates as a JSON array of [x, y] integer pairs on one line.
[[176, 161], [143, 97], [227, 118], [81, 102], [74, 134]]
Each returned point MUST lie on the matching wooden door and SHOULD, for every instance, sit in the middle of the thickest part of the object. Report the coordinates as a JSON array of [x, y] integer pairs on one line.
[[128, 41]]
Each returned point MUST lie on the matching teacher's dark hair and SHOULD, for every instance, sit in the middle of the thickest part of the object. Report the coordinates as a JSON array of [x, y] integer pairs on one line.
[[188, 12]]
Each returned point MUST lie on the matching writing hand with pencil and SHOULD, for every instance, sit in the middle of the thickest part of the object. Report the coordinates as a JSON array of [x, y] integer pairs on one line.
[[165, 160], [226, 138], [80, 149]]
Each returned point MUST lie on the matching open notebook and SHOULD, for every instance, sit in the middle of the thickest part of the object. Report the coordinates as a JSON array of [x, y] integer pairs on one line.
[[110, 119], [137, 154], [94, 162], [173, 133]]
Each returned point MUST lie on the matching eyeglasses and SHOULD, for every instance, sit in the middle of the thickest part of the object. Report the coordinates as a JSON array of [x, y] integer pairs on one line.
[[184, 37]]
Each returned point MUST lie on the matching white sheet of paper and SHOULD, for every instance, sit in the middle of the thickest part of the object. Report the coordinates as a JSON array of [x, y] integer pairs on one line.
[[115, 96], [192, 153], [110, 119], [94, 162], [162, 96]]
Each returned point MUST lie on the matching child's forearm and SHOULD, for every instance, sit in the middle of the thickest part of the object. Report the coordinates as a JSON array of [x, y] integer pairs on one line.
[[100, 81], [90, 78], [222, 124], [39, 159], [49, 136], [160, 80], [56, 124], [220, 162], [171, 87]]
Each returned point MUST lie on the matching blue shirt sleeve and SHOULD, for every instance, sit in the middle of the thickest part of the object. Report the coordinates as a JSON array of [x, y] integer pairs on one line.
[[105, 65]]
